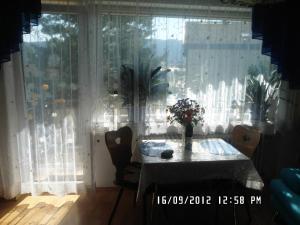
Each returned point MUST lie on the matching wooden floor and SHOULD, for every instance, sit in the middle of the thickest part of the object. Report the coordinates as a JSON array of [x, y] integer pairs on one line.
[[36, 210], [94, 208], [89, 209]]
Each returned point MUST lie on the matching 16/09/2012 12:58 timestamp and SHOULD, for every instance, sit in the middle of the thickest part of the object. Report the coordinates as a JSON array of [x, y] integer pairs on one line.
[[208, 199]]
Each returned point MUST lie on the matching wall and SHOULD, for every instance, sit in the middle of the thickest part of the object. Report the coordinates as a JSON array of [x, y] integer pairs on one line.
[[3, 124], [104, 171], [283, 149]]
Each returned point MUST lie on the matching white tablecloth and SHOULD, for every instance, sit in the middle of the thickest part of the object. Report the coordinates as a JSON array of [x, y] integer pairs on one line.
[[209, 159]]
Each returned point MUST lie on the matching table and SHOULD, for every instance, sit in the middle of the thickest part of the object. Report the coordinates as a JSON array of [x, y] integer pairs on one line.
[[209, 159]]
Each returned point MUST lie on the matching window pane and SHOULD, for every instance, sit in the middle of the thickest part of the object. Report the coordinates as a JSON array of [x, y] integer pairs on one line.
[[207, 60], [50, 55]]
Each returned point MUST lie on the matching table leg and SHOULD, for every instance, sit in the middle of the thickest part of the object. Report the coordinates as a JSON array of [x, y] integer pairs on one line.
[[154, 195], [232, 194], [145, 209], [247, 206], [216, 213]]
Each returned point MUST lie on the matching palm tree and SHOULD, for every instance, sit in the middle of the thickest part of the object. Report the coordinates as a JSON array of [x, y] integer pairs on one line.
[[261, 93], [152, 86]]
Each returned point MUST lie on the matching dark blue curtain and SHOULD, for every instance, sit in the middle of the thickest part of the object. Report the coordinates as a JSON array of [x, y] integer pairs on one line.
[[16, 18], [277, 25]]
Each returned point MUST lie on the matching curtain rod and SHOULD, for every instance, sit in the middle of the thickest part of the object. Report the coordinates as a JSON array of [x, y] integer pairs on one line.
[[175, 6], [151, 9], [208, 5]]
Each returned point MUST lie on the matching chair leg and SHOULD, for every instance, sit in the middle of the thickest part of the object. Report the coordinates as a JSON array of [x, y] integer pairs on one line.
[[152, 208], [116, 205], [153, 205], [134, 199], [275, 216], [165, 213]]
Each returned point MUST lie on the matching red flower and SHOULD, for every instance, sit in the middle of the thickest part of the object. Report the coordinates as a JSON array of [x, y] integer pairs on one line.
[[186, 111]]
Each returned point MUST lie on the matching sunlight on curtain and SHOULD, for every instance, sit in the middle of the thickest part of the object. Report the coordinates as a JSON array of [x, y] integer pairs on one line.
[[101, 65], [204, 59], [54, 160]]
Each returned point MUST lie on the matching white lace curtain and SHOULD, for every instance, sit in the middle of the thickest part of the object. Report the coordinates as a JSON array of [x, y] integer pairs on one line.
[[205, 57], [12, 126], [56, 156]]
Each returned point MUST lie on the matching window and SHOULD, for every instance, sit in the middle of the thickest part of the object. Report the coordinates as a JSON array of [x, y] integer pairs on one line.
[[111, 67], [205, 59], [50, 56]]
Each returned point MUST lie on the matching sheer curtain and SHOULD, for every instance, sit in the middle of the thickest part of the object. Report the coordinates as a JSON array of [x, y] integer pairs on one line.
[[211, 66], [204, 53], [13, 125], [56, 156]]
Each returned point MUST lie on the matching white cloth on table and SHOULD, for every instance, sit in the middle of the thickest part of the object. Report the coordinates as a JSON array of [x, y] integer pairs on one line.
[[209, 159]]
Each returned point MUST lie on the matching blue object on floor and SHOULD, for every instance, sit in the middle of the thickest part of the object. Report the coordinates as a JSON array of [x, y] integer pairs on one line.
[[291, 177], [285, 195]]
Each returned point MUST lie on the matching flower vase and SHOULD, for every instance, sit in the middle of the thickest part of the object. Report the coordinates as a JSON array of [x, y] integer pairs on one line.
[[188, 136]]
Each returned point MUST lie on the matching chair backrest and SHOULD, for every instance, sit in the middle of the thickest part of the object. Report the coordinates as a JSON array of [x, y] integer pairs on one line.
[[245, 138], [119, 146]]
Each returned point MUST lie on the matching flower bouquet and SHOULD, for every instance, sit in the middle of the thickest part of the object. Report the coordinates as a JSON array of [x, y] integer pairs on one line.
[[188, 113]]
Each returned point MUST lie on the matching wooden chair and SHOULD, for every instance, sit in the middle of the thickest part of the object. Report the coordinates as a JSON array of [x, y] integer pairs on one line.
[[245, 138], [127, 173]]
